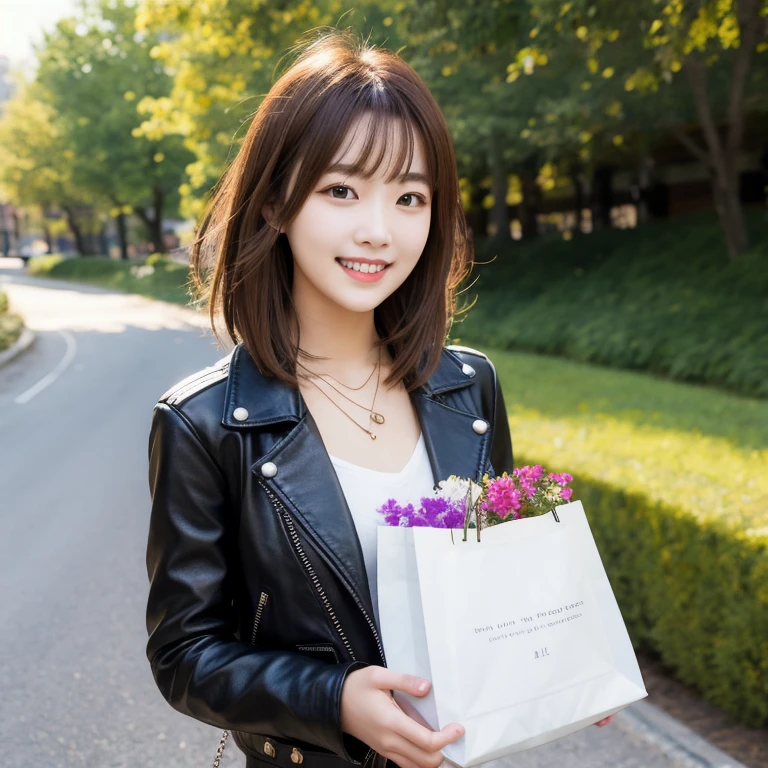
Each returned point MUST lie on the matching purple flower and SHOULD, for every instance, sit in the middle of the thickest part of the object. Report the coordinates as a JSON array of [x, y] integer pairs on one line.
[[435, 511], [397, 515]]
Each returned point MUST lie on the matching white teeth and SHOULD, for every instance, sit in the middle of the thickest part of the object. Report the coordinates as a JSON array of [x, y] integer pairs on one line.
[[358, 267]]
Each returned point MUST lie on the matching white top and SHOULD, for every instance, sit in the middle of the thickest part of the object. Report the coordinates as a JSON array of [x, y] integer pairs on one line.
[[367, 489]]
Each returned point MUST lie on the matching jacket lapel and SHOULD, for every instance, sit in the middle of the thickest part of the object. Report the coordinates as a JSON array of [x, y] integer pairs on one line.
[[306, 480]]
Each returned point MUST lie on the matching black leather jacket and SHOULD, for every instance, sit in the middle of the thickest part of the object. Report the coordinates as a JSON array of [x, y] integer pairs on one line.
[[259, 604]]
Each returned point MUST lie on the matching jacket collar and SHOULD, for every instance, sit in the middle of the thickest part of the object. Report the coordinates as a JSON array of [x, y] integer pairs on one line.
[[305, 479], [254, 400]]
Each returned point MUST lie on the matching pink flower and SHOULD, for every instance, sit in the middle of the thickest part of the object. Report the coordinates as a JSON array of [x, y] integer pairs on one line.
[[502, 497], [566, 494], [528, 477]]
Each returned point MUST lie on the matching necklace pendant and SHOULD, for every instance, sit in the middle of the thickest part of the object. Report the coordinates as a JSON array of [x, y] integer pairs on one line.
[[373, 437], [377, 417]]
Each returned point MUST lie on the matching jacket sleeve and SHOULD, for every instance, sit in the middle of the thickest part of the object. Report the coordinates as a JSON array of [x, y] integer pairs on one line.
[[501, 447], [199, 665]]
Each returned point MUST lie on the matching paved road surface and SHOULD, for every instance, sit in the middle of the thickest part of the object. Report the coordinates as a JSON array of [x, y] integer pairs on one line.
[[74, 416]]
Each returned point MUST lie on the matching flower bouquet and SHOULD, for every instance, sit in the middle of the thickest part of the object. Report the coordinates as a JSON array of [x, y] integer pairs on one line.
[[515, 625]]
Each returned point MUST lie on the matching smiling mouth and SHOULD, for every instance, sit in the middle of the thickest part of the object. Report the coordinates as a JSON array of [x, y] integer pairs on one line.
[[363, 267]]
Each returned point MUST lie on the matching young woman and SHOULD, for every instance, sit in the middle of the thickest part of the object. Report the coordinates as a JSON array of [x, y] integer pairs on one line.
[[332, 248]]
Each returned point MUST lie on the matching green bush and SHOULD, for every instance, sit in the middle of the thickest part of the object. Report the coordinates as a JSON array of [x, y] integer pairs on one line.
[[11, 325], [673, 480], [157, 258], [157, 276], [662, 298], [40, 266]]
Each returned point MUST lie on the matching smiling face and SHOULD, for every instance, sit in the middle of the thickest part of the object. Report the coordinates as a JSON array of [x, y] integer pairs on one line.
[[356, 239]]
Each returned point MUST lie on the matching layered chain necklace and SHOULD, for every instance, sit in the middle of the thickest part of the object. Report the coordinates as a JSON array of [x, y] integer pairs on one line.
[[375, 417]]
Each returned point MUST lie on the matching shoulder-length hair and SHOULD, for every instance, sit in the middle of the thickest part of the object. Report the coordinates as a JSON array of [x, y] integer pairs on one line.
[[244, 266]]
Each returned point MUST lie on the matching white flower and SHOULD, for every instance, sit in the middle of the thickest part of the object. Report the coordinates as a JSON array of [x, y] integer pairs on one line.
[[455, 490]]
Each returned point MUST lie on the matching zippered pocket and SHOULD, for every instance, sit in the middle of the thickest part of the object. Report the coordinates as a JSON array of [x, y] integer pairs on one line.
[[263, 600], [323, 651]]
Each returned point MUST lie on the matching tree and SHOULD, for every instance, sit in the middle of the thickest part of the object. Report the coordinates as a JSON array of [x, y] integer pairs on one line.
[[94, 69], [225, 55], [710, 45], [36, 164], [462, 49]]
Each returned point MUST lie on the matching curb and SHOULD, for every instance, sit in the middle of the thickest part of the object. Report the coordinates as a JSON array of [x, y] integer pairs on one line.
[[20, 345], [677, 741]]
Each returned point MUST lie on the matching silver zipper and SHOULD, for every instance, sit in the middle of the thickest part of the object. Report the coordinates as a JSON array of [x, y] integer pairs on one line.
[[308, 566], [289, 522], [291, 528], [263, 598]]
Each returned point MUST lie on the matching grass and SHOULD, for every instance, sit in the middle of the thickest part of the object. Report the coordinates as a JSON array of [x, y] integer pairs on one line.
[[156, 277], [662, 299], [11, 325], [674, 443]]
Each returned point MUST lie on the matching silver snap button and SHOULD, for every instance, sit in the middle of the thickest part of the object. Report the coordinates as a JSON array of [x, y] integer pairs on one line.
[[468, 370], [241, 414], [269, 469], [480, 426]]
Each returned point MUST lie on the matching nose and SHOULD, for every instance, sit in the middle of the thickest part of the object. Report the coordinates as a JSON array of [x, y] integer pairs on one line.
[[373, 227]]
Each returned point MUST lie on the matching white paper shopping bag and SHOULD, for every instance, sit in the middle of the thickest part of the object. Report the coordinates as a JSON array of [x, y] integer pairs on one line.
[[519, 633]]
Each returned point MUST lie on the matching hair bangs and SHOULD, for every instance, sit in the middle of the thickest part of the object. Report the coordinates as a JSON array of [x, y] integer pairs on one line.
[[390, 141], [390, 136]]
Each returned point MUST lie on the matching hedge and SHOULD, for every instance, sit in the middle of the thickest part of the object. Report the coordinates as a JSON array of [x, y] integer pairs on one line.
[[673, 479], [662, 298], [156, 276], [11, 325]]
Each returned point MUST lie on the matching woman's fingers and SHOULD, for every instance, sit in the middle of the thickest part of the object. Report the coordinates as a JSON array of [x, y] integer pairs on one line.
[[418, 757], [423, 738], [401, 761], [397, 681]]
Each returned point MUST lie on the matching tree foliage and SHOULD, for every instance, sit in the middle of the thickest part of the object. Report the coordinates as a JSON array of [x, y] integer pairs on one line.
[[225, 55], [93, 70], [535, 91]]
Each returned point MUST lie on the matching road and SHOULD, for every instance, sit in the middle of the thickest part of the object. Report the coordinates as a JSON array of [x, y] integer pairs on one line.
[[74, 418]]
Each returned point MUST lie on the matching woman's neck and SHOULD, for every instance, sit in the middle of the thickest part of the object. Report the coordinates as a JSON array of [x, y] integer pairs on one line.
[[347, 341]]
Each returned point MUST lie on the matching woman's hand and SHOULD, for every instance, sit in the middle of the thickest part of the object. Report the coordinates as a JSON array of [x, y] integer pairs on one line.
[[370, 713]]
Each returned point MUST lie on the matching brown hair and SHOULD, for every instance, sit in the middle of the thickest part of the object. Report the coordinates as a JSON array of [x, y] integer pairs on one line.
[[301, 124]]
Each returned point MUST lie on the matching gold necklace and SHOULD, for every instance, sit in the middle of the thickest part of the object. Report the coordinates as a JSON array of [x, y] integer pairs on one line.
[[346, 386], [378, 418], [367, 431]]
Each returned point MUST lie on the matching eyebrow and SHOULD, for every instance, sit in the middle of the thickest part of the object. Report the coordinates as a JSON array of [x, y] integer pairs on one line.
[[350, 169]]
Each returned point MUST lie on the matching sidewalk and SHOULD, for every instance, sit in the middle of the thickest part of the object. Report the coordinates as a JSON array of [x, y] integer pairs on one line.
[[641, 736]]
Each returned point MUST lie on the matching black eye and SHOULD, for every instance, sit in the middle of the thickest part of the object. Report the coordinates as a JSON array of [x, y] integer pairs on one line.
[[339, 188], [411, 197]]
